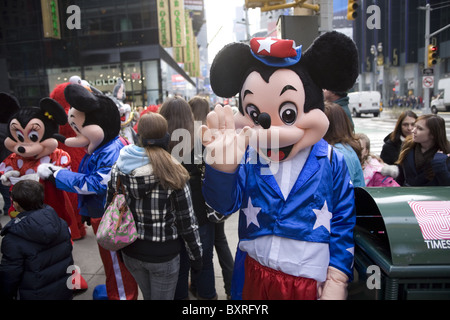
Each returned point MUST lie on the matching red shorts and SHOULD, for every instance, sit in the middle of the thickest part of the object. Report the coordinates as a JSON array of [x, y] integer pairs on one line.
[[263, 283]]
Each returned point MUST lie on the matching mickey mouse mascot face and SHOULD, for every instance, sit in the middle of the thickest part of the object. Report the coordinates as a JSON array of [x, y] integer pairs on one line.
[[94, 118], [280, 90], [32, 130]]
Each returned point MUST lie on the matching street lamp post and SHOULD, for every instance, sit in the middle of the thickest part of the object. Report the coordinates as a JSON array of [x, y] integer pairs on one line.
[[378, 58]]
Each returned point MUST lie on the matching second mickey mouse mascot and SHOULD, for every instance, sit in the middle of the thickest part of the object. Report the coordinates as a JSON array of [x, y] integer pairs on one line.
[[293, 191], [96, 122]]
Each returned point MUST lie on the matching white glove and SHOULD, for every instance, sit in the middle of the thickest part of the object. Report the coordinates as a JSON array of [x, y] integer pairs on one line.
[[5, 177], [31, 176], [390, 170], [335, 287], [46, 170]]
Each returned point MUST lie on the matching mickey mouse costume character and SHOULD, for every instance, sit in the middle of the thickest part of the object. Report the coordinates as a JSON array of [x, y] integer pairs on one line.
[[293, 190], [96, 121], [31, 139]]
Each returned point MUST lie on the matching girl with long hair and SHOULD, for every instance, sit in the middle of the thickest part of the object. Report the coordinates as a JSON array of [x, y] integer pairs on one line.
[[340, 135], [393, 142], [158, 195], [180, 121], [424, 158]]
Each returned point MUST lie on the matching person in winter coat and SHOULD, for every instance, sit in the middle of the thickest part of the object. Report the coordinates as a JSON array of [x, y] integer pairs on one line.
[[180, 123], [425, 156], [158, 195], [393, 142], [36, 249], [341, 136], [340, 98]]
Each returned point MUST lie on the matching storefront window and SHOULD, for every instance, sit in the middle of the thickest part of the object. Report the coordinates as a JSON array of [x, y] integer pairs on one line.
[[174, 83], [102, 77], [57, 76], [132, 76], [151, 82]]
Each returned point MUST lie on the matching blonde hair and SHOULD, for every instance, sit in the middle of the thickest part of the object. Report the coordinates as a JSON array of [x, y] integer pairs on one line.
[[366, 140], [171, 173]]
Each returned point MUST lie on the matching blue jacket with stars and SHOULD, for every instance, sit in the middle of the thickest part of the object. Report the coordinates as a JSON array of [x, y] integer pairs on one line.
[[91, 180], [324, 180]]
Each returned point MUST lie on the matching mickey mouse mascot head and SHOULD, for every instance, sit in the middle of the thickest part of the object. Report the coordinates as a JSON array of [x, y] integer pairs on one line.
[[292, 189], [96, 121]]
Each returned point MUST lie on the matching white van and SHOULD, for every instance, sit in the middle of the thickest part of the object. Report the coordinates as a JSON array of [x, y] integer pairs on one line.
[[442, 101], [364, 102]]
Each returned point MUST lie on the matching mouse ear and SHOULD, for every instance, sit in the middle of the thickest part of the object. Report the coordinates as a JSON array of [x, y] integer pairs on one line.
[[80, 98], [228, 69], [53, 110], [332, 61], [9, 105]]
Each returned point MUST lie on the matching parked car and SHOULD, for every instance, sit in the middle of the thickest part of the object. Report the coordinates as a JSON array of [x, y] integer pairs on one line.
[[442, 101], [365, 102]]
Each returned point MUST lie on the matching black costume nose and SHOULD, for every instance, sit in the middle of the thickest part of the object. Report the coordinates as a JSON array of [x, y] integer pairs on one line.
[[264, 120], [21, 149]]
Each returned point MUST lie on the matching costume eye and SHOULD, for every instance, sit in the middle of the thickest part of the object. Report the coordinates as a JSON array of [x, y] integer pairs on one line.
[[20, 136], [253, 112], [75, 127], [33, 136], [288, 113]]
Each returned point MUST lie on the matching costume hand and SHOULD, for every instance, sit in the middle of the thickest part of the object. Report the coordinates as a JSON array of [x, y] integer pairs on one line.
[[47, 170], [31, 176], [224, 146], [335, 287], [390, 170], [7, 175]]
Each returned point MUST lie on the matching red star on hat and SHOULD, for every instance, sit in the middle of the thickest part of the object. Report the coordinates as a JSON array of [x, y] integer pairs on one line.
[[273, 47]]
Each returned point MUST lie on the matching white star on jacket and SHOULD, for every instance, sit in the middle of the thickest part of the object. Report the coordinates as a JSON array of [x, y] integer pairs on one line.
[[251, 213], [323, 217], [265, 44]]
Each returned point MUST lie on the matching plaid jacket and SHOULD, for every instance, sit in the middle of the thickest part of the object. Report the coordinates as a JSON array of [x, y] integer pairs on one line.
[[160, 214]]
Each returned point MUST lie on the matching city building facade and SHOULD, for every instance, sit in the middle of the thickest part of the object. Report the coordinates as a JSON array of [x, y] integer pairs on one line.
[[99, 41]]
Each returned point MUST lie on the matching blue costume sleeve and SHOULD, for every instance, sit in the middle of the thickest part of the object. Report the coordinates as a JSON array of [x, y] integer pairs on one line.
[[226, 196], [344, 218], [94, 181], [94, 171]]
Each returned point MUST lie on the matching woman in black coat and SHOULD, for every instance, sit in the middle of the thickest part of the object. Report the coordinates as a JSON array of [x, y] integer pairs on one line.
[[393, 142], [425, 156]]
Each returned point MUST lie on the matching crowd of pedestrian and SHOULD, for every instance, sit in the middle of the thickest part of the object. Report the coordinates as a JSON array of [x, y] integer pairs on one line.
[[408, 102]]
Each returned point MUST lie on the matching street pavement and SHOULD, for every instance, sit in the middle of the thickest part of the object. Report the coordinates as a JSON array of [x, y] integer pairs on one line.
[[85, 251]]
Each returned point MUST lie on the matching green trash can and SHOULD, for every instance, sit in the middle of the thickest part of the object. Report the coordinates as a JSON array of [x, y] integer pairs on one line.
[[402, 244]]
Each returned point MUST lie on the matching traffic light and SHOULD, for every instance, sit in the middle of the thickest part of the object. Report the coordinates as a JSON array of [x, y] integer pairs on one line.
[[432, 55], [351, 9]]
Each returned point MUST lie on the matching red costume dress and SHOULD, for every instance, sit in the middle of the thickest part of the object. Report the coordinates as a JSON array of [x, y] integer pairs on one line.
[[53, 196]]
